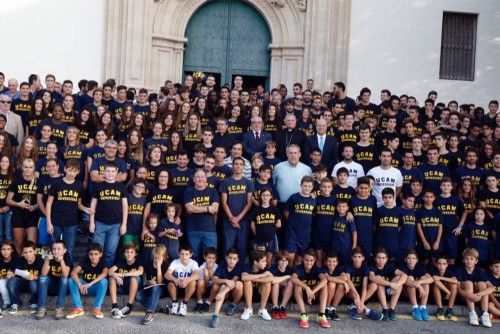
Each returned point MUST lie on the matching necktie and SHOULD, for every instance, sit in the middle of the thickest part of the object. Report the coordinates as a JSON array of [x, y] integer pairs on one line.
[[321, 143], [257, 138]]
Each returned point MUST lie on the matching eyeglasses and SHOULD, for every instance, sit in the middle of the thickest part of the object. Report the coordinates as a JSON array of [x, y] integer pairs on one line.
[[299, 99], [5, 101], [112, 147]]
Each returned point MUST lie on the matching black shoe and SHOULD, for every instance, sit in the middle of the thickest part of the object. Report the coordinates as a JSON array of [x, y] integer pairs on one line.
[[392, 314], [204, 308], [334, 316], [197, 308], [165, 309], [385, 315]]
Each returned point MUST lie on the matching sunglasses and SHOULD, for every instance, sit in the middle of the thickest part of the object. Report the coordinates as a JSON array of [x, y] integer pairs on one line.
[[5, 101]]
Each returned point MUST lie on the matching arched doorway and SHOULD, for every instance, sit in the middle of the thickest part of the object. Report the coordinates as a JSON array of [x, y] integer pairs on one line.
[[226, 38]]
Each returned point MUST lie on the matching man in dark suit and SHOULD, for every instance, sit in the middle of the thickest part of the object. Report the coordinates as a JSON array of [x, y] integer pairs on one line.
[[326, 144], [289, 135], [254, 140]]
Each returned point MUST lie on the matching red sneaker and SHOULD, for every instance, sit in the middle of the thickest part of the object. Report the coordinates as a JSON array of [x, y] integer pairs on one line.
[[283, 314], [275, 313], [304, 321]]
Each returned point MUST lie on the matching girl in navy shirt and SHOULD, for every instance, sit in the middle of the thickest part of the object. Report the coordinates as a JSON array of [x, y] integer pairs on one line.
[[170, 230], [477, 234], [429, 228]]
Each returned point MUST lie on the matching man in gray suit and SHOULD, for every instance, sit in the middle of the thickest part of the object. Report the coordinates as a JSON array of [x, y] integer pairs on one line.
[[14, 123]]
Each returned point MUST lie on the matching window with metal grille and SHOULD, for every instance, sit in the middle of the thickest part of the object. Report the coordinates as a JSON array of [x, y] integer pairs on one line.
[[458, 46]]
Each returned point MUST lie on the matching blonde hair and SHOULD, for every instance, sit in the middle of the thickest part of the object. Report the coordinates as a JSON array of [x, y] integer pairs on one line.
[[72, 128], [470, 252], [160, 251]]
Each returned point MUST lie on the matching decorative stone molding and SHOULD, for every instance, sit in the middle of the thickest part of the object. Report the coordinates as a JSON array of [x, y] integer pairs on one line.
[[146, 40]]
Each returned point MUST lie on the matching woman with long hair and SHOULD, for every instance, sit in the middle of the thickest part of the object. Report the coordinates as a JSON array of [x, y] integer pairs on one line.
[[488, 151], [139, 123], [28, 149], [6, 179], [192, 132], [168, 125], [21, 198], [155, 163], [86, 125], [236, 123], [180, 121], [70, 114], [135, 146], [106, 123], [124, 154], [96, 151], [272, 119], [126, 120], [174, 147], [201, 109], [48, 101], [153, 114], [37, 114], [73, 149], [5, 146]]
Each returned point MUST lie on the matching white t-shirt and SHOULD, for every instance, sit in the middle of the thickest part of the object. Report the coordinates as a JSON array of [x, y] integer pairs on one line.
[[355, 171], [385, 178], [202, 271], [183, 271]]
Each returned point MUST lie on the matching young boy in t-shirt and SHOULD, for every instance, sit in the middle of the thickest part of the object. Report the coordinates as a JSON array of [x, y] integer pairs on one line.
[[226, 281], [64, 200], [387, 226], [30, 269], [474, 287], [298, 214], [93, 282], [124, 279], [264, 181], [445, 283], [337, 285], [109, 202], [182, 275], [494, 278], [319, 173], [310, 283], [419, 281], [364, 209], [389, 282], [282, 284], [342, 190], [429, 228], [256, 283], [205, 283], [343, 233], [360, 288], [54, 279], [322, 220], [407, 232]]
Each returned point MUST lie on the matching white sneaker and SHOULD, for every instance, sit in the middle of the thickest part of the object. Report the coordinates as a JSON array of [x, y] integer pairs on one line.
[[174, 309], [247, 313], [13, 309], [485, 320], [33, 308], [116, 313], [264, 314], [183, 309], [473, 320]]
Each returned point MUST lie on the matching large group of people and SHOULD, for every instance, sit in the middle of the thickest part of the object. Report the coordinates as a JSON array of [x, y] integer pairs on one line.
[[241, 194]]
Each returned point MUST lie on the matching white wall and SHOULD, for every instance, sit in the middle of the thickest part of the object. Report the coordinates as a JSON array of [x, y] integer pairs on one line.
[[63, 37], [396, 45]]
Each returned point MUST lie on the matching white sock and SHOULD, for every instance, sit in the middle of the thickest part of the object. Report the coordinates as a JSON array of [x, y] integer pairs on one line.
[[200, 301], [367, 311], [415, 306], [423, 307], [207, 302]]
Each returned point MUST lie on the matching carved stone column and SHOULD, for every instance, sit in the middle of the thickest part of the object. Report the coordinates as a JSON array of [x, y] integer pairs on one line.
[[327, 42]]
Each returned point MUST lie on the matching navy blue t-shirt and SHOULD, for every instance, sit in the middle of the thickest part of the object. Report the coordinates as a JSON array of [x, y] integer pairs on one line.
[[364, 212], [237, 192], [204, 222], [109, 202], [265, 222], [223, 272], [357, 274], [388, 272], [417, 272], [310, 278], [451, 209], [222, 172], [278, 273], [476, 174], [491, 200], [409, 174], [387, 229], [323, 217], [300, 210], [343, 193], [496, 284], [180, 181], [65, 205], [135, 214], [257, 187], [341, 234], [477, 275], [159, 198], [433, 174], [430, 220], [408, 232], [477, 237]]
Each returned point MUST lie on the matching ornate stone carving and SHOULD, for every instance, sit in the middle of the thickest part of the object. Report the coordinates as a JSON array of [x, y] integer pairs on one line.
[[277, 3], [301, 5]]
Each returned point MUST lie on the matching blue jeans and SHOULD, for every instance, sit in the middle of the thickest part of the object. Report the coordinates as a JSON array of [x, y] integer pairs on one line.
[[108, 237], [57, 286], [200, 241], [6, 225], [149, 298], [16, 285], [236, 238], [97, 289], [68, 234]]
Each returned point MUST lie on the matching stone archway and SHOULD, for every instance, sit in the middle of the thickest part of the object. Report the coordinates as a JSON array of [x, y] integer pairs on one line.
[[145, 43]]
